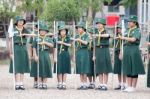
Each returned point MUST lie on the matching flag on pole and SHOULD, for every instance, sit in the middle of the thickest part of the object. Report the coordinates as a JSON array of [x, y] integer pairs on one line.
[[10, 29]]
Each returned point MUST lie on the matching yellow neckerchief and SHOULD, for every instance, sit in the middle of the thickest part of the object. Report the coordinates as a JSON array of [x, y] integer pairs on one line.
[[131, 30], [62, 39], [100, 31], [80, 36], [43, 39], [20, 32], [118, 41]]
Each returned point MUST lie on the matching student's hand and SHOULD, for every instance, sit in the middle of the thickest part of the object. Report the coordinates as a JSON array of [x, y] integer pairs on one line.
[[55, 59], [11, 56], [94, 58], [36, 58], [59, 42], [120, 56]]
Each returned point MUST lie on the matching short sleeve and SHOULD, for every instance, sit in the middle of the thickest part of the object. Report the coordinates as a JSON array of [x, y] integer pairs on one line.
[[137, 34]]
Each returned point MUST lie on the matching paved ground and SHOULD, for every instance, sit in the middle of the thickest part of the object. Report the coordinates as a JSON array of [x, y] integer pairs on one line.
[[7, 92]]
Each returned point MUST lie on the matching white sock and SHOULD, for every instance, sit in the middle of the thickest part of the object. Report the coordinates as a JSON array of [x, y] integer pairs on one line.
[[17, 83], [105, 85], [82, 84], [85, 84], [59, 83], [64, 83], [20, 83], [101, 84]]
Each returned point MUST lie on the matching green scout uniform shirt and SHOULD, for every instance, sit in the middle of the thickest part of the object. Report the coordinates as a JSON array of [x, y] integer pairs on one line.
[[133, 33], [17, 38], [61, 46], [103, 41], [84, 37], [41, 39]]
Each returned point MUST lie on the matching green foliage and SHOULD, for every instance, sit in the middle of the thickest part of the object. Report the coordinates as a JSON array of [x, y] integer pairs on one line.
[[6, 10], [66, 10], [128, 3]]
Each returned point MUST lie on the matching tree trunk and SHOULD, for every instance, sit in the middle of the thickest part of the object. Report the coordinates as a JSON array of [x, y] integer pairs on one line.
[[90, 13]]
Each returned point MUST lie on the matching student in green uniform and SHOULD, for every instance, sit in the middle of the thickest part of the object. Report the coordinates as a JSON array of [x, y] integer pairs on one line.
[[148, 74], [102, 55], [33, 72], [118, 62], [82, 55], [132, 62], [59, 23], [21, 61], [91, 75], [42, 47], [63, 57]]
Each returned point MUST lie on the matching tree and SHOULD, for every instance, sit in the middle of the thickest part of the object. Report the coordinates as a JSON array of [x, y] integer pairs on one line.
[[66, 10], [128, 3], [6, 12]]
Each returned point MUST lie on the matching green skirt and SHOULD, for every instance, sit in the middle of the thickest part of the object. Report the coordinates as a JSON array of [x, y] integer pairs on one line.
[[148, 75], [103, 61], [91, 64], [132, 61], [117, 63], [21, 60], [45, 70], [34, 69], [82, 61], [63, 63]]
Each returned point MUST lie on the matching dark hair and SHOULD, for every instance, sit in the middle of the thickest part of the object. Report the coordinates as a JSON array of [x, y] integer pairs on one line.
[[63, 29], [137, 24]]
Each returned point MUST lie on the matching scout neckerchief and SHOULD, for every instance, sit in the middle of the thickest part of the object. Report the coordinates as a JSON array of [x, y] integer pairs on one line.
[[130, 31], [80, 36], [62, 39], [20, 32], [118, 41], [99, 38], [43, 39]]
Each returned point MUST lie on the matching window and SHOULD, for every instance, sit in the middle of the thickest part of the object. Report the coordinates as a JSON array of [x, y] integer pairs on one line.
[[113, 8]]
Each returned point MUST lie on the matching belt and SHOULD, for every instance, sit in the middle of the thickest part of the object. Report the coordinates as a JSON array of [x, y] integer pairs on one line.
[[20, 44], [63, 50], [102, 46], [44, 50]]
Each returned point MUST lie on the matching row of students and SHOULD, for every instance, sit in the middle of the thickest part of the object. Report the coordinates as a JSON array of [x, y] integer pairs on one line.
[[91, 49]]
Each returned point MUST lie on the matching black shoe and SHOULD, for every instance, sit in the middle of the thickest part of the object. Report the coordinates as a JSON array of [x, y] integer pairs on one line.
[[59, 87], [40, 86], [80, 88], [91, 86], [63, 87], [17, 87], [21, 87], [35, 86], [118, 88], [104, 88], [44, 86], [99, 87]]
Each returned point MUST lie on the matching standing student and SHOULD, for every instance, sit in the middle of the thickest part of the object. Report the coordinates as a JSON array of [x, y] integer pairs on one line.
[[132, 62], [82, 55], [148, 74], [102, 54], [91, 75], [34, 69], [20, 53], [118, 61], [41, 51], [63, 57]]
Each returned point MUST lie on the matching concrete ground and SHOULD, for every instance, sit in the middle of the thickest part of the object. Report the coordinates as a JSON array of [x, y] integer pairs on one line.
[[7, 91]]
